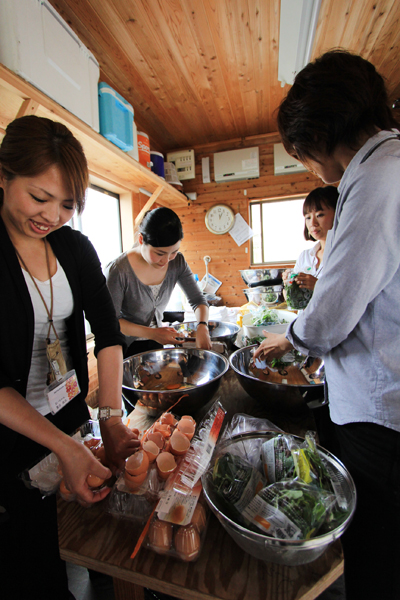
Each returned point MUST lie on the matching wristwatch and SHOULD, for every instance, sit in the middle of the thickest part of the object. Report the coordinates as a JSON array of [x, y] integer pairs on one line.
[[105, 412], [203, 323]]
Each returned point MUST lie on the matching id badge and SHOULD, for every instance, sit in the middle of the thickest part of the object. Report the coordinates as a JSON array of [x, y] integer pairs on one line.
[[60, 392]]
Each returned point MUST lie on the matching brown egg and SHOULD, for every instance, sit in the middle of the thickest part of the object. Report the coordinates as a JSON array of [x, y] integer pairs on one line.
[[186, 427], [100, 454], [92, 443], [157, 438], [199, 518], [179, 443], [160, 536], [93, 481], [137, 463], [187, 542], [164, 429], [151, 449], [168, 419], [65, 492], [188, 418], [166, 464], [134, 482]]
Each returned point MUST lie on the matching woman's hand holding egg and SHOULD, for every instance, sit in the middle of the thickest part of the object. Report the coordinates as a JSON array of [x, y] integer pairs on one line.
[[80, 469], [119, 442]]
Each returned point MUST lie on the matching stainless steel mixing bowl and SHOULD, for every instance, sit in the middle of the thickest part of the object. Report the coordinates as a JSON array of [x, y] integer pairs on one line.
[[278, 397], [158, 378], [220, 331], [263, 547], [254, 275]]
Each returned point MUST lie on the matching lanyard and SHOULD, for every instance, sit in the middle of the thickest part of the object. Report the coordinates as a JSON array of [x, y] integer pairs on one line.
[[49, 312]]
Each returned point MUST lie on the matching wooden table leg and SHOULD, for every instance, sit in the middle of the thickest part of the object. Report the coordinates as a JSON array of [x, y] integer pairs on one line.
[[125, 590]]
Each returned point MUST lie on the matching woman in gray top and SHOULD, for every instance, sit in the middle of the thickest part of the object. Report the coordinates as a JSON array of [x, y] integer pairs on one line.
[[141, 282]]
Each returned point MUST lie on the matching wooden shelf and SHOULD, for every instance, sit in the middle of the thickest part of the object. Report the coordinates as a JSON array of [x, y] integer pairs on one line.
[[106, 161]]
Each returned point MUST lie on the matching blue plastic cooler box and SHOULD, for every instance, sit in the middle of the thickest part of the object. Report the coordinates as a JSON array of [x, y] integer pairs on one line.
[[116, 117]]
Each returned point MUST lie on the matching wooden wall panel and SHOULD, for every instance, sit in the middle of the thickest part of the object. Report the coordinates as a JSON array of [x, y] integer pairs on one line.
[[226, 257]]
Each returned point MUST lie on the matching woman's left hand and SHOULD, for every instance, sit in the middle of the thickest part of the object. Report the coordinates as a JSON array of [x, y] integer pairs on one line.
[[275, 345], [119, 442], [203, 339]]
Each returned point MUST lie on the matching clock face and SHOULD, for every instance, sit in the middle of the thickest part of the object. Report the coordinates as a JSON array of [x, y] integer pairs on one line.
[[220, 219]]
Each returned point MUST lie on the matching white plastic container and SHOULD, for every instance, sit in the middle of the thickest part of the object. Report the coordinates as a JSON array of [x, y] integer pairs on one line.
[[37, 44], [135, 152]]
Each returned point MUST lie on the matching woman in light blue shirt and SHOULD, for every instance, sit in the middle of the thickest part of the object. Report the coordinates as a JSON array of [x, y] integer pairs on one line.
[[336, 120]]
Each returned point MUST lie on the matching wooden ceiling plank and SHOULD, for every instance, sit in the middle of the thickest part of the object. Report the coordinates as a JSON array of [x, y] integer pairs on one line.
[[218, 15]]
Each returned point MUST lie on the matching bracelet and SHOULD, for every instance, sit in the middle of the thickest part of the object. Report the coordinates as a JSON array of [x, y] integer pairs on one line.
[[203, 323]]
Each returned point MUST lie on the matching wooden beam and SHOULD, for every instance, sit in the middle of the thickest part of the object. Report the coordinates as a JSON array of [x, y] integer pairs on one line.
[[28, 107], [148, 204]]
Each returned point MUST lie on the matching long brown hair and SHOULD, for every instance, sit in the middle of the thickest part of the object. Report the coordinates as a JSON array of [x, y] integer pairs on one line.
[[33, 144]]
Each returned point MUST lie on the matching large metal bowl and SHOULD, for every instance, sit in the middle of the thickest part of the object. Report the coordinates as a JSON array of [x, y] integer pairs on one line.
[[263, 547], [147, 377], [278, 397], [220, 331], [263, 296], [254, 275]]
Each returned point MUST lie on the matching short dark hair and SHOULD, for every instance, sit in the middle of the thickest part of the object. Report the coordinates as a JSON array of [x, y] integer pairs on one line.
[[161, 227], [333, 101], [33, 144], [318, 199]]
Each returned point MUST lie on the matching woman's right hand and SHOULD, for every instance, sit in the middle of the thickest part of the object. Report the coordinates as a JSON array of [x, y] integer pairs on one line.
[[166, 335], [77, 462]]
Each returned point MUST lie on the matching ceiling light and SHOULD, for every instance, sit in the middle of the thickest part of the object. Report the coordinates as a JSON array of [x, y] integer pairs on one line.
[[298, 23]]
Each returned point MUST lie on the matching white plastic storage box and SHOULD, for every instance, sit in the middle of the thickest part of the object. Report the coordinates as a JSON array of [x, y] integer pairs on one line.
[[116, 117], [37, 44]]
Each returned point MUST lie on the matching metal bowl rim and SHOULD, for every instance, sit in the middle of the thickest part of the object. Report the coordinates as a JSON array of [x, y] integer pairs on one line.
[[190, 350], [315, 542], [289, 385], [210, 323]]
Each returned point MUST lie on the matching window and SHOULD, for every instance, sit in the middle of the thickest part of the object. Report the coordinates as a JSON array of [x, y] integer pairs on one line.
[[278, 227], [101, 222]]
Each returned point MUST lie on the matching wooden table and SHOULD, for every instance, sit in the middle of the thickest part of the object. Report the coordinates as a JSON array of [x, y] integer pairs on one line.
[[93, 539]]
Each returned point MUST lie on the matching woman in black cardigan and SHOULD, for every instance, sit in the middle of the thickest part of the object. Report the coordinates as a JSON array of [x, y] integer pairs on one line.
[[43, 180]]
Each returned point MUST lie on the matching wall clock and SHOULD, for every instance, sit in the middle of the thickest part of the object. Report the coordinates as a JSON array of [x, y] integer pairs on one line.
[[220, 219]]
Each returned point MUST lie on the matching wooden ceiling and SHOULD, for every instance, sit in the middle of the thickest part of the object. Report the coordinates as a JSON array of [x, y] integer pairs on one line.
[[200, 71]]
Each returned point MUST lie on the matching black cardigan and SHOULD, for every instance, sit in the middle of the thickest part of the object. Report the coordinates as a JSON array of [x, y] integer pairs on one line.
[[91, 297]]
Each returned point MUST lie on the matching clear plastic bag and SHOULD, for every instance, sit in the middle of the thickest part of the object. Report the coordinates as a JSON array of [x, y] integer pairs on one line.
[[296, 298]]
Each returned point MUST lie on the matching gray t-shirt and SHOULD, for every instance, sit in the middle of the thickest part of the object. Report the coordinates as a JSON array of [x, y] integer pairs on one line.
[[135, 302]]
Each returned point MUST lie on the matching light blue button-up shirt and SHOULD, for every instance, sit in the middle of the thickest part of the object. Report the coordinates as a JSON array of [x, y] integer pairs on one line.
[[353, 319]]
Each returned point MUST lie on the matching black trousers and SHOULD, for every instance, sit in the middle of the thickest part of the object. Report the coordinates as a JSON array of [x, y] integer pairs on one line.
[[30, 564], [371, 544]]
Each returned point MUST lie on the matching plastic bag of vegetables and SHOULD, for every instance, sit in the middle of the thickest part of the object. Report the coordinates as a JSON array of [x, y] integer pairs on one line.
[[289, 509], [277, 458], [236, 482], [297, 298]]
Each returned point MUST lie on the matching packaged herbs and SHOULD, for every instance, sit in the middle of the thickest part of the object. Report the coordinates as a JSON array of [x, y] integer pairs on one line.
[[236, 482], [289, 509]]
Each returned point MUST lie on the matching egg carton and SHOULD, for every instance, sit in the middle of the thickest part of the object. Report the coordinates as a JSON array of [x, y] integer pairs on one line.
[[181, 533]]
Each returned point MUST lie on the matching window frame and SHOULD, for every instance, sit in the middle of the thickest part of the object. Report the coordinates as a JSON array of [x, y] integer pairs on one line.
[[260, 201]]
